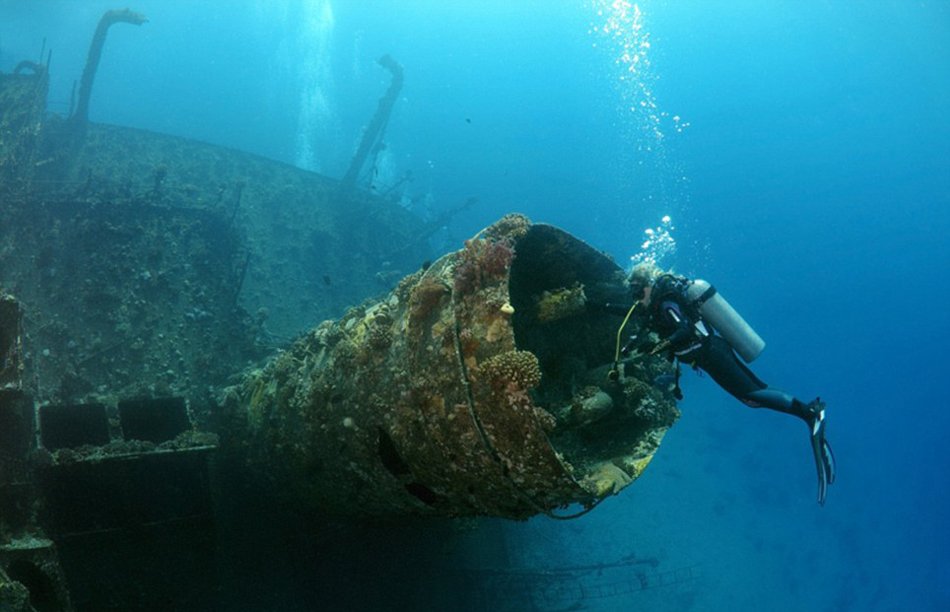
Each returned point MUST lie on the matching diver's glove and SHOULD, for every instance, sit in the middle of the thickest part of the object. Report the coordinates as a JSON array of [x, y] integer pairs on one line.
[[824, 457]]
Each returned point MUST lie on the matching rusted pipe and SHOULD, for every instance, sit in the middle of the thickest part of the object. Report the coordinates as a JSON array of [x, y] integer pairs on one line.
[[81, 116], [374, 131]]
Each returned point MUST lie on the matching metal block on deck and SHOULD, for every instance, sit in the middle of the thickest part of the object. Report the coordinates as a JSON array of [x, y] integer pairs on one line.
[[16, 428], [128, 508], [17, 492], [11, 365]]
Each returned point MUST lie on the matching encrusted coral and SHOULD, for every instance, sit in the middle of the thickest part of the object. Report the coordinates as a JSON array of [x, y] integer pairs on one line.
[[561, 303], [546, 419], [519, 367], [426, 297], [379, 337], [589, 406], [482, 261], [648, 404], [468, 342], [635, 390], [509, 227], [657, 413]]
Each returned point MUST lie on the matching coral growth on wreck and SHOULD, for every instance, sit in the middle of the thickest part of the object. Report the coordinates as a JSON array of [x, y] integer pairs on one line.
[[519, 367], [481, 262], [425, 297], [561, 303], [512, 375]]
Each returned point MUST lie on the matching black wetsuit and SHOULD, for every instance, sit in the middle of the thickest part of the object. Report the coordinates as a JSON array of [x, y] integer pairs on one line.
[[694, 342], [690, 339]]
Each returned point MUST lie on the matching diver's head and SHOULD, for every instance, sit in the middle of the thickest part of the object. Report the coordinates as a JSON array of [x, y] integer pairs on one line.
[[642, 277]]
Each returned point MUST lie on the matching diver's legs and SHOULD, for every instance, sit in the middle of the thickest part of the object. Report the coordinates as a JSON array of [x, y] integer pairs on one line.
[[813, 413], [717, 358], [781, 401]]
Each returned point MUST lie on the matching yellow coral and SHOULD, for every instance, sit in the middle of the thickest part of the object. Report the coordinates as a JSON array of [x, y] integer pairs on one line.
[[636, 466], [608, 479], [561, 303]]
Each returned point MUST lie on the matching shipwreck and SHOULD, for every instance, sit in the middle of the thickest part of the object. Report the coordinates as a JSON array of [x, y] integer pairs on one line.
[[161, 348]]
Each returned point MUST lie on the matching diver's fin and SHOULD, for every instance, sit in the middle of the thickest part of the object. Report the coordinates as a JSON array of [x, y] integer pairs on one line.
[[824, 456], [822, 474], [829, 461]]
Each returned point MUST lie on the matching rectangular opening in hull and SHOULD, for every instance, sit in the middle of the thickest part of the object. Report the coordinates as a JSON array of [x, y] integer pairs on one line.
[[72, 425], [153, 420]]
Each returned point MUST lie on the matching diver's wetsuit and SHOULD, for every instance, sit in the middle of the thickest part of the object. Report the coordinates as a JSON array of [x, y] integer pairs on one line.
[[689, 339], [694, 343]]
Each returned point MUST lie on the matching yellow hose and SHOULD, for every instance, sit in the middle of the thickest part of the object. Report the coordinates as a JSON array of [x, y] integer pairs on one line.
[[619, 334]]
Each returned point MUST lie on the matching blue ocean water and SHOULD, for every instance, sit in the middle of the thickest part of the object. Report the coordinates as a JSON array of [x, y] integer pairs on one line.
[[800, 150]]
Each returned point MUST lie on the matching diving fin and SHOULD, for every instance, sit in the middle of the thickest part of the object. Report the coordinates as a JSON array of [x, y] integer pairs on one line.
[[824, 456]]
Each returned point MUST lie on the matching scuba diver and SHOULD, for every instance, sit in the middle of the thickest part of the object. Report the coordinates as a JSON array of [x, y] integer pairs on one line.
[[698, 327]]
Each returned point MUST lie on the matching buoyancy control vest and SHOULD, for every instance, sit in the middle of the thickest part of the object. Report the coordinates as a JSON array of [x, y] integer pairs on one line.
[[703, 301]]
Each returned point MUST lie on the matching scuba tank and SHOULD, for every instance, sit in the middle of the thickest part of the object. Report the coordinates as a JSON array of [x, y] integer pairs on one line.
[[716, 311]]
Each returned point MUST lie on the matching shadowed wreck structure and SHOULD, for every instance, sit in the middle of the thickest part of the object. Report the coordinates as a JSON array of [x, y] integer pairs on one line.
[[146, 464]]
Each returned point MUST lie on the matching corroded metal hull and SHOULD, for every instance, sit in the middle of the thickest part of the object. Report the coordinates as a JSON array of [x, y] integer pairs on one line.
[[460, 393]]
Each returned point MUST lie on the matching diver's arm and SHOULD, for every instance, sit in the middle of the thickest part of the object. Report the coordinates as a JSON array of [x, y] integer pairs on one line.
[[683, 335]]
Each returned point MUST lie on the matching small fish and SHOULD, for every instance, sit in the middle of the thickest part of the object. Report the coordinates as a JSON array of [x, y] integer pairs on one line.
[[468, 120], [326, 280]]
